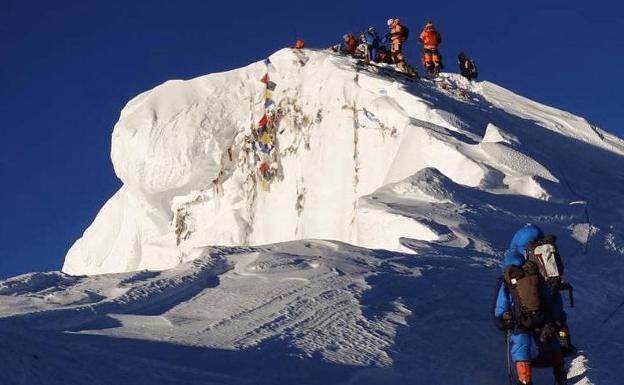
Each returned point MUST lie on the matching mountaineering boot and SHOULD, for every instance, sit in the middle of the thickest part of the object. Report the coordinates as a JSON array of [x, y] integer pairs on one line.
[[430, 68], [559, 371], [561, 377], [411, 71], [524, 371]]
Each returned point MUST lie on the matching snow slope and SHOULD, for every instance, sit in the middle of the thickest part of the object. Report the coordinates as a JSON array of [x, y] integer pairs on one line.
[[211, 276], [304, 312], [191, 178]]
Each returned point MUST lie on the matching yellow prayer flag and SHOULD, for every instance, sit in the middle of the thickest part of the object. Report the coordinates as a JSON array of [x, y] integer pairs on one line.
[[266, 138]]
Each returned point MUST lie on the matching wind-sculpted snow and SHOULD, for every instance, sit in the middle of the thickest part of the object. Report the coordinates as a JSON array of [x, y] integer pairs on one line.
[[305, 312], [186, 154], [418, 188], [301, 301]]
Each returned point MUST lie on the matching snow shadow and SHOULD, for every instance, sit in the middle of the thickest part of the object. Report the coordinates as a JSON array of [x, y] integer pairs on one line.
[[546, 146], [46, 282], [66, 358], [586, 172], [451, 305], [95, 316], [450, 308], [166, 303]]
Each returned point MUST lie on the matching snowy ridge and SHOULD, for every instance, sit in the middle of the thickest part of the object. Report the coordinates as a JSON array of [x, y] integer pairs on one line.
[[133, 292], [419, 187], [307, 295], [191, 178], [312, 312]]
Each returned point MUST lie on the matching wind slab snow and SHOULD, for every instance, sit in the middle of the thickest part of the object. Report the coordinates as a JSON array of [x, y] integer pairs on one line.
[[419, 187]]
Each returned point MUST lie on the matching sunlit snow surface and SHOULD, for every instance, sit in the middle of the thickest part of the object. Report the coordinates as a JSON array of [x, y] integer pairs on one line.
[[429, 183], [346, 136]]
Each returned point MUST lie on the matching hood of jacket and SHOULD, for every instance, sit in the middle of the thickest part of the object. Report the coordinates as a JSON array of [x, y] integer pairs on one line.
[[515, 254]]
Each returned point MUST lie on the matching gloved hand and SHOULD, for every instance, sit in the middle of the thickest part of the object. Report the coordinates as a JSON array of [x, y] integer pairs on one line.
[[505, 321], [548, 332]]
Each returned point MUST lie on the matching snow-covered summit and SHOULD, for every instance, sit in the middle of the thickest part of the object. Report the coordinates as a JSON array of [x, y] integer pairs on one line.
[[350, 144], [429, 181]]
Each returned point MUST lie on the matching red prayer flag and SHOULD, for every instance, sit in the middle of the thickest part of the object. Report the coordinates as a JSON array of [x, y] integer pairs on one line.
[[264, 168], [263, 121]]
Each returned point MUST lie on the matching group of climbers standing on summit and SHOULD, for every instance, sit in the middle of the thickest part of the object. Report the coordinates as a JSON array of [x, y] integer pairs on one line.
[[370, 47]]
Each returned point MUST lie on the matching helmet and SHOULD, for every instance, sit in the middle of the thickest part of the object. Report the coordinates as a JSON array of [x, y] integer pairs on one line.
[[390, 21], [372, 30]]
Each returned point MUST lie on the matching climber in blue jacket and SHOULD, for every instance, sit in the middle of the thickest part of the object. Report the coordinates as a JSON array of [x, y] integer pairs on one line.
[[373, 43], [521, 338]]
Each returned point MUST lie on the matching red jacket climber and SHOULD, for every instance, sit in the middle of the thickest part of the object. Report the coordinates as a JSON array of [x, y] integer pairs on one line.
[[349, 44], [430, 38]]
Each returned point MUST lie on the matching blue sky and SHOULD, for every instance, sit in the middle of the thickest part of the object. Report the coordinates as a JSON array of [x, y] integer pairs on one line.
[[68, 68]]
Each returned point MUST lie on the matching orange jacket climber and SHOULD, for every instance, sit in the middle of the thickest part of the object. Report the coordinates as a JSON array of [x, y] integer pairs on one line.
[[396, 34], [430, 37]]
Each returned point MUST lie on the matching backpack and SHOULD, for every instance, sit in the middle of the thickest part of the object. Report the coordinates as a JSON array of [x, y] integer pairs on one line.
[[523, 283], [545, 254], [473, 68]]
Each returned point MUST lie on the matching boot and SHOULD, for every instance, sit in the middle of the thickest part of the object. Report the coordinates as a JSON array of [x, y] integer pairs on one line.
[[559, 372], [561, 376], [525, 372], [409, 70]]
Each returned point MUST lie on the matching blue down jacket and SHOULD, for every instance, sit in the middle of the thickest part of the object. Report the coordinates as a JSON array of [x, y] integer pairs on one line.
[[374, 42]]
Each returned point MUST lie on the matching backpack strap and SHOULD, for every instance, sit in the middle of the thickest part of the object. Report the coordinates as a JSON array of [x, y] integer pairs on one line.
[[498, 321]]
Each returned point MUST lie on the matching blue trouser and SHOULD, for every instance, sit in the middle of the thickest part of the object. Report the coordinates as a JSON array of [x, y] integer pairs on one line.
[[521, 346], [373, 51]]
